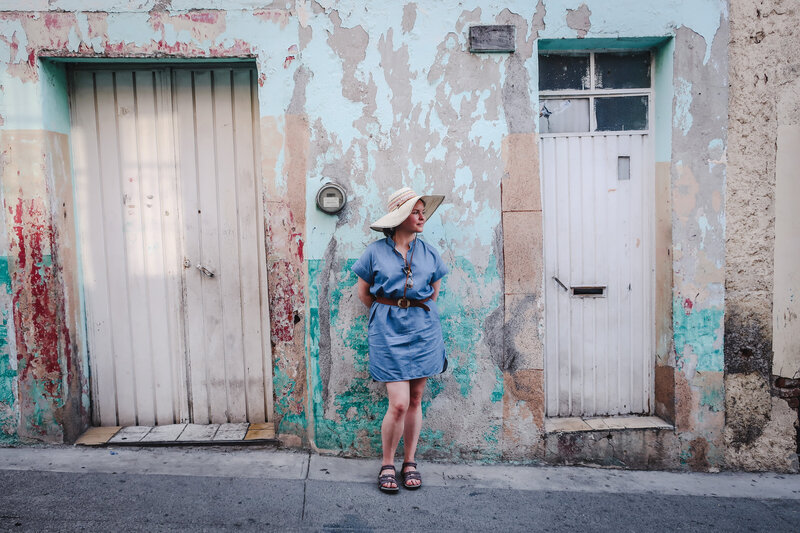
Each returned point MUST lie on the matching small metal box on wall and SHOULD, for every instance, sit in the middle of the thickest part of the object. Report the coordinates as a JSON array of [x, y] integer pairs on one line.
[[331, 198], [491, 38]]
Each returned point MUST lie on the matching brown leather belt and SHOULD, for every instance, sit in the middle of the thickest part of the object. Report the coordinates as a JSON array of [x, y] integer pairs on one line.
[[404, 303]]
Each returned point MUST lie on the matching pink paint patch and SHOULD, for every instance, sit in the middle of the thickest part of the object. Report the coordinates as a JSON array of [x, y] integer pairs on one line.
[[202, 25], [291, 57], [262, 79], [13, 45], [687, 306], [273, 15], [98, 24], [204, 17], [239, 48], [53, 21]]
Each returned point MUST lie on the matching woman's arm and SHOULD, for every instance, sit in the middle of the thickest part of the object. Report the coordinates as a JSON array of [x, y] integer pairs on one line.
[[436, 285], [363, 293]]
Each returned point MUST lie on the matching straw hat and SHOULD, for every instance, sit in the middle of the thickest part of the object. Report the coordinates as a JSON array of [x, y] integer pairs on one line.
[[400, 205]]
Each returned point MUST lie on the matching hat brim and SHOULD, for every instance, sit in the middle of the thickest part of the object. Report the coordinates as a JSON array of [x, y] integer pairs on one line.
[[396, 217]]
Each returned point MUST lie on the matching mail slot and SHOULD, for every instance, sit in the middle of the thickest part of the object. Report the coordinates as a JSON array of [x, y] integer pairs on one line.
[[588, 291]]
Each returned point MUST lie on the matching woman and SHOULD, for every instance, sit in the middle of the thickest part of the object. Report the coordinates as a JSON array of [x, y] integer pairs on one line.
[[398, 279]]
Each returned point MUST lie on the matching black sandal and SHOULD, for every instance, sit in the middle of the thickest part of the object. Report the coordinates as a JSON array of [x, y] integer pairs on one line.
[[413, 474], [385, 479]]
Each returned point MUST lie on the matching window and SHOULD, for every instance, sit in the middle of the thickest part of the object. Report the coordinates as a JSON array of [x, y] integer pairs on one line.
[[594, 91]]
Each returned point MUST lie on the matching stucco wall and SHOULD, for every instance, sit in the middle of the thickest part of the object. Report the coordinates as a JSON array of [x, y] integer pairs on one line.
[[455, 118], [763, 99], [428, 114], [376, 96]]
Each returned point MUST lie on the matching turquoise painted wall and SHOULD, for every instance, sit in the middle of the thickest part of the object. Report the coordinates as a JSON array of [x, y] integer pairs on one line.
[[8, 373]]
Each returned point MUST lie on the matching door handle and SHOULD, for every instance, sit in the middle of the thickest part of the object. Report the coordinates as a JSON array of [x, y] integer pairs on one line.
[[562, 285], [204, 270]]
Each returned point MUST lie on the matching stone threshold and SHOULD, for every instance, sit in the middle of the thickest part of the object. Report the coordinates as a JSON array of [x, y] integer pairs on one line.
[[578, 424], [180, 435]]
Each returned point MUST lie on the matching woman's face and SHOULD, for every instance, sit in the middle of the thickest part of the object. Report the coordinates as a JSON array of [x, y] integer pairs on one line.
[[416, 220]]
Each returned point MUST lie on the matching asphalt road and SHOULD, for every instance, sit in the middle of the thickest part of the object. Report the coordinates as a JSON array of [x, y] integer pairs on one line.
[[85, 493]]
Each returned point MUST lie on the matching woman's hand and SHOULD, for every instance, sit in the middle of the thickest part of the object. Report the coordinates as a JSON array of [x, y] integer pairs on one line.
[[363, 293]]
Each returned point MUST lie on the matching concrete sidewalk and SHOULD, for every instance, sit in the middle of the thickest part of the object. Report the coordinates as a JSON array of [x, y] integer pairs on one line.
[[61, 488], [269, 463]]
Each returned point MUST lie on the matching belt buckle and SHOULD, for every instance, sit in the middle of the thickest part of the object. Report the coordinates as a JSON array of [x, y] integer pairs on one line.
[[403, 303]]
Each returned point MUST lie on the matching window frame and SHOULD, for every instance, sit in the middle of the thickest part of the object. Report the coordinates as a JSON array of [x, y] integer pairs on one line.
[[593, 92]]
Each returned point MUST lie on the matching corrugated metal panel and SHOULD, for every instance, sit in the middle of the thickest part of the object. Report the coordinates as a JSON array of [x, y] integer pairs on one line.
[[128, 206], [598, 233], [229, 377], [168, 343]]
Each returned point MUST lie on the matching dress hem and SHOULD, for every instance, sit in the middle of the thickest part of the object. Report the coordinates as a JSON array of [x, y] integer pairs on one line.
[[442, 371]]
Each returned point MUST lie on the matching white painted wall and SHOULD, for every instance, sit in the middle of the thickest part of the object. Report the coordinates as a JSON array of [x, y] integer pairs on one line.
[[786, 300]]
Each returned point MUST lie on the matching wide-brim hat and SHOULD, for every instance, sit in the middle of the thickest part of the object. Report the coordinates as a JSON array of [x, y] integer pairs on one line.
[[400, 205]]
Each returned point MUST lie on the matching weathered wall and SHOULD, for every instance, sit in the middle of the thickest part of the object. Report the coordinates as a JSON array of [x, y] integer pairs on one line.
[[472, 105], [9, 410], [393, 98], [763, 100], [44, 391], [376, 96], [698, 228]]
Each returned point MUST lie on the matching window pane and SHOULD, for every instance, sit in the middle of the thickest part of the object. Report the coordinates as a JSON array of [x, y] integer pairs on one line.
[[622, 71], [564, 115], [562, 71], [621, 113]]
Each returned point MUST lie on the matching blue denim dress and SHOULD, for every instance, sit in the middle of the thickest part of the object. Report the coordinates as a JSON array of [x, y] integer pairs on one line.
[[407, 343]]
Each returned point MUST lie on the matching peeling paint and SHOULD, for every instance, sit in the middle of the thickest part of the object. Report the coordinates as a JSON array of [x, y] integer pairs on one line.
[[578, 20], [698, 337], [9, 410], [682, 117], [35, 320], [376, 97]]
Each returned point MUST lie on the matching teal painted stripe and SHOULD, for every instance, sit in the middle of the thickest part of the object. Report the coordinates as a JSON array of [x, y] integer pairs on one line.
[[149, 61], [663, 104], [620, 43], [5, 278], [8, 420]]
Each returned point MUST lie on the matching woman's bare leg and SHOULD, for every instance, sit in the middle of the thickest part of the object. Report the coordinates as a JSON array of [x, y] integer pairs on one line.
[[393, 421], [413, 423]]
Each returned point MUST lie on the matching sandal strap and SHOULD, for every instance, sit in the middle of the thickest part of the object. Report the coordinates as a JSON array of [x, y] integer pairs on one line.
[[409, 464], [412, 475], [387, 478]]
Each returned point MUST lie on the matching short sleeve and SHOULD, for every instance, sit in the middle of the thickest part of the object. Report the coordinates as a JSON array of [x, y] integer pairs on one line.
[[363, 268], [439, 269]]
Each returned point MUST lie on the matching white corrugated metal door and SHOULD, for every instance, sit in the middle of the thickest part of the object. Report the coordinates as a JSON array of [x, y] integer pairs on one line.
[[595, 122], [597, 202], [172, 245]]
